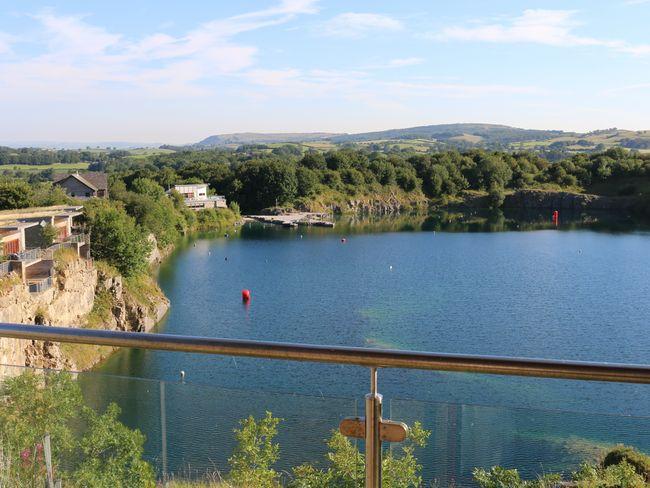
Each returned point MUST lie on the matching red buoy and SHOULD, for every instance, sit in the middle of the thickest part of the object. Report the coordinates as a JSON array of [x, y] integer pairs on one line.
[[246, 295], [556, 217]]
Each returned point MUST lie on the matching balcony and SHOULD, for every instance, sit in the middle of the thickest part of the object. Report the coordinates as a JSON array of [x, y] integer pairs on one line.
[[39, 285], [81, 238], [447, 440], [28, 256]]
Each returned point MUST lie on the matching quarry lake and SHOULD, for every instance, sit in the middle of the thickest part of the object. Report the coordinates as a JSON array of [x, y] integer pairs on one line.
[[495, 286]]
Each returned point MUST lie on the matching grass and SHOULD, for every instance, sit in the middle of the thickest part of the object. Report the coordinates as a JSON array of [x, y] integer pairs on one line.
[[144, 290], [62, 167], [85, 356], [63, 257], [8, 282], [101, 312]]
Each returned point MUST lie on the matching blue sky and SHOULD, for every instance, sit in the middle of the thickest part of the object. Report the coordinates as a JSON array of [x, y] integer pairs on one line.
[[167, 71]]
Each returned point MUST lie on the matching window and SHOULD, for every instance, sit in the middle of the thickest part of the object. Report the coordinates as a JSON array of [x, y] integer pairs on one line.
[[87, 193]]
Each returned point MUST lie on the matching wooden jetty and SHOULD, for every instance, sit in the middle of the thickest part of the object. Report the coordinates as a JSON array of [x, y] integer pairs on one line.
[[295, 219]]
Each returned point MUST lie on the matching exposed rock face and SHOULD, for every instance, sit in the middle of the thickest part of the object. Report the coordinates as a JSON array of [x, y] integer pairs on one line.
[[155, 257], [370, 205], [67, 304], [534, 199]]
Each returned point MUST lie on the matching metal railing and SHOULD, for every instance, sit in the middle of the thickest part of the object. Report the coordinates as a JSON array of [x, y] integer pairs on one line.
[[28, 255], [76, 238], [41, 285], [372, 428]]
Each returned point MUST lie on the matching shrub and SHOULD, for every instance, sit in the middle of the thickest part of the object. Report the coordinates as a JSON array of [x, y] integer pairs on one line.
[[639, 461], [496, 197], [252, 460], [116, 238]]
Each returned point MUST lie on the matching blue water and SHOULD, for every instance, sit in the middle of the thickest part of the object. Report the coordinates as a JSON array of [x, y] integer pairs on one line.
[[567, 293]]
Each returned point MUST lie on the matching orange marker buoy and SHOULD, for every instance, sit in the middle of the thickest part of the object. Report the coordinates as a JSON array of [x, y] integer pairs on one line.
[[246, 295]]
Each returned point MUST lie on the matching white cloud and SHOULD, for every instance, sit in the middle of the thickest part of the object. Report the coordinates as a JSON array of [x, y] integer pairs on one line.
[[357, 85], [80, 60], [549, 27], [355, 25]]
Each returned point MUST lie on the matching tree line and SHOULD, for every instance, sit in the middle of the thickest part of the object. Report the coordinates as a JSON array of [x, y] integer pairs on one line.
[[258, 178]]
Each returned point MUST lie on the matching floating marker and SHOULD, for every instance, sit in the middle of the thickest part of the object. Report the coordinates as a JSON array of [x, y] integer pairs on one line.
[[390, 267], [246, 296], [182, 375], [344, 240]]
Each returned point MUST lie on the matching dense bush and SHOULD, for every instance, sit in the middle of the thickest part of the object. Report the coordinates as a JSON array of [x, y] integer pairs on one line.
[[88, 448], [639, 461], [116, 238]]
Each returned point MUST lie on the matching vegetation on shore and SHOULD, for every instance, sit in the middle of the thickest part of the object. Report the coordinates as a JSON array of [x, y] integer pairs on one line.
[[258, 177], [91, 448]]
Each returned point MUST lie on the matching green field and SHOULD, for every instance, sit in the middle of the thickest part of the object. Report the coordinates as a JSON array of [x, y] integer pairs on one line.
[[58, 167]]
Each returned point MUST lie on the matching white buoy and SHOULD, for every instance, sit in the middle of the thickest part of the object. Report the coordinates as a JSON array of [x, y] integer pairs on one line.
[[391, 268], [182, 375]]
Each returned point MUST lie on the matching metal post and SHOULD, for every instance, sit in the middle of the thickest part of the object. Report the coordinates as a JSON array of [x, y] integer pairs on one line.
[[373, 440], [163, 432]]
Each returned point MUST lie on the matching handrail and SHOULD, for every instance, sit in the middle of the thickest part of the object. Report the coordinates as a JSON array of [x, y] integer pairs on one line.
[[377, 358]]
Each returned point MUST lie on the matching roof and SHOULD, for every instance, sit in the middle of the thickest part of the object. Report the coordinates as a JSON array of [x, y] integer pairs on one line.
[[93, 180], [18, 216], [190, 184]]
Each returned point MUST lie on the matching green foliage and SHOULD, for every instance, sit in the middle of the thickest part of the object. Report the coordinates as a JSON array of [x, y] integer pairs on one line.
[[639, 461], [112, 454], [346, 465], [496, 197], [266, 183], [15, 194], [98, 452], [252, 460], [498, 477], [116, 238], [234, 208], [33, 405], [47, 235], [146, 186], [307, 181], [215, 219], [620, 475]]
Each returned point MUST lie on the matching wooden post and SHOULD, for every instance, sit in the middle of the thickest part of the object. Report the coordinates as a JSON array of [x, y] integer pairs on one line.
[[48, 461]]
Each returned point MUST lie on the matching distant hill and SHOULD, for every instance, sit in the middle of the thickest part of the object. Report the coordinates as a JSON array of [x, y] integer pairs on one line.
[[474, 133], [427, 137], [261, 138]]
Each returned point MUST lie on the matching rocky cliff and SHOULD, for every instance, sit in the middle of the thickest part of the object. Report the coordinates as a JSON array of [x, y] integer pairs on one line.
[[559, 200], [81, 296]]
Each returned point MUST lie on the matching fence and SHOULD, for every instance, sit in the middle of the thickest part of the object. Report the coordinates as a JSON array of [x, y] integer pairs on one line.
[[372, 428]]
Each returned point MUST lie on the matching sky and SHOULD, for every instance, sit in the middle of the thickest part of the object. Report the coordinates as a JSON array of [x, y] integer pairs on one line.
[[175, 72]]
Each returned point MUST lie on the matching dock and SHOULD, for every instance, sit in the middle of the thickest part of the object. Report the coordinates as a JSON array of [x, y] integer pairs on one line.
[[294, 219]]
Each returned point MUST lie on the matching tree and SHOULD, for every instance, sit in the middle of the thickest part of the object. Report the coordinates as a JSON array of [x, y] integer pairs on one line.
[[116, 238], [15, 194], [346, 464], [48, 235], [252, 460], [110, 453], [307, 181], [146, 186], [266, 183], [37, 404], [313, 160]]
